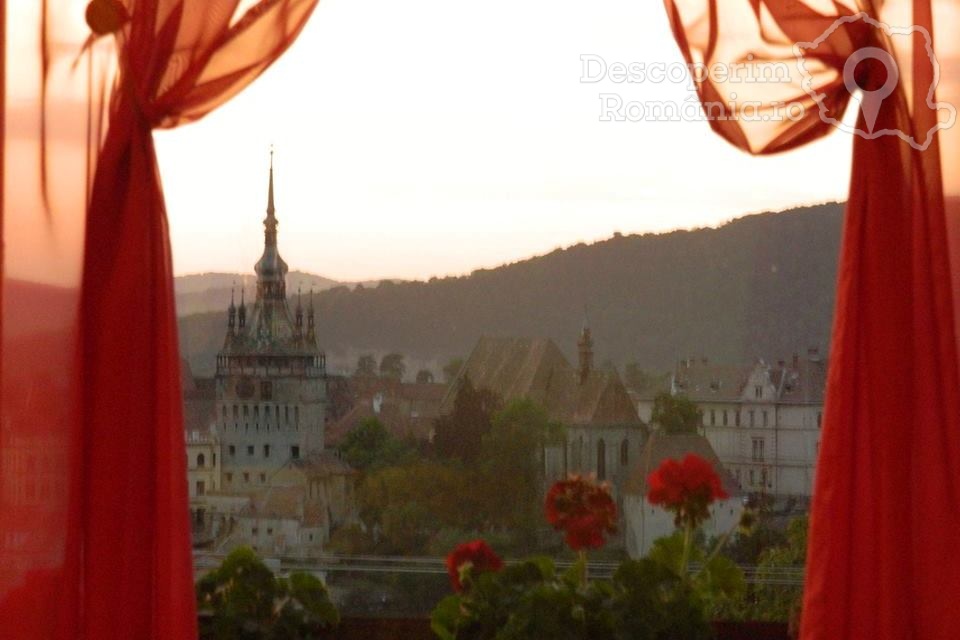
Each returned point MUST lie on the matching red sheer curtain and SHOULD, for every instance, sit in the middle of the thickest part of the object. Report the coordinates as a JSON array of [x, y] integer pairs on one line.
[[885, 525], [94, 526]]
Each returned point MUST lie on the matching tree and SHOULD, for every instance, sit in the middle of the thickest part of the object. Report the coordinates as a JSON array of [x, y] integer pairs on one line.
[[246, 601], [511, 465], [676, 414], [424, 376], [460, 434], [366, 366], [451, 369], [370, 446], [392, 366]]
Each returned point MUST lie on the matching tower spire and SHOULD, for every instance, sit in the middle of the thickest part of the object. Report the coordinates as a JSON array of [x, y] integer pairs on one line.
[[270, 222], [585, 349]]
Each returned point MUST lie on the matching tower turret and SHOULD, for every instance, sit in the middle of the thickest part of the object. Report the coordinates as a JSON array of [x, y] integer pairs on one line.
[[231, 315], [585, 351]]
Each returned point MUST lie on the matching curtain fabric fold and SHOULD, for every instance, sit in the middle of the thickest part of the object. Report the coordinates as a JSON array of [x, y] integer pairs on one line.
[[109, 553], [885, 523]]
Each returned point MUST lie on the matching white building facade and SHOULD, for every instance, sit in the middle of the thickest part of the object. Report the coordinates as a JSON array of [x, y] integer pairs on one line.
[[763, 420]]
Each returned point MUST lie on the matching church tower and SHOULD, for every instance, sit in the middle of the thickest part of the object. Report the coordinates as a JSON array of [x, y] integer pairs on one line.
[[584, 353], [271, 376]]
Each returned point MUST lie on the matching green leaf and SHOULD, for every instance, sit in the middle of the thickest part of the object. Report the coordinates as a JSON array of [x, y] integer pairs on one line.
[[446, 618]]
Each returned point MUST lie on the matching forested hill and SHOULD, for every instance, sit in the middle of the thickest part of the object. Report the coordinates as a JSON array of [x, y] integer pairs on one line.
[[762, 285]]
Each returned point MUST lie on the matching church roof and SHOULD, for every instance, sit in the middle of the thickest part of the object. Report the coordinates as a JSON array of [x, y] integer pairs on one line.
[[662, 446], [536, 369]]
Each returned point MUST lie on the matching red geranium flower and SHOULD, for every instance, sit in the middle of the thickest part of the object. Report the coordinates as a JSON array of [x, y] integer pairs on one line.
[[687, 488], [474, 557], [583, 510]]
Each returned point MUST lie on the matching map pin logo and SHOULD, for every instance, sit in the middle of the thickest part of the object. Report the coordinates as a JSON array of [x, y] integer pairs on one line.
[[870, 101]]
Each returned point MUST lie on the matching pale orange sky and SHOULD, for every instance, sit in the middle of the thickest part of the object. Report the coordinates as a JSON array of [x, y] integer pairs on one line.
[[432, 137]]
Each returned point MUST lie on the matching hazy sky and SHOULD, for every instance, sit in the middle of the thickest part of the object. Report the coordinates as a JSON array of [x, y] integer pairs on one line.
[[433, 137]]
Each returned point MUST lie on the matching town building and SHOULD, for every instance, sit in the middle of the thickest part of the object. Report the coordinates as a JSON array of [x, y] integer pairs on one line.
[[271, 378], [604, 436], [762, 419], [257, 466]]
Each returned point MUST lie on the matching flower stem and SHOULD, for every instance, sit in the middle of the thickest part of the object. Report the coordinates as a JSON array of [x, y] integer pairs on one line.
[[583, 568], [716, 549], [687, 541]]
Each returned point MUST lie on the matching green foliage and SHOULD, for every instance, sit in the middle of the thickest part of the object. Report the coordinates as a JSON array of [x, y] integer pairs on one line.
[[511, 465], [246, 602], [676, 414], [370, 446], [644, 601], [778, 602], [366, 366], [392, 366], [499, 488], [460, 434]]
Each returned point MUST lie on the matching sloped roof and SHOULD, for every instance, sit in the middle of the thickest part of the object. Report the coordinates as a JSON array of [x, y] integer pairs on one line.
[[801, 380], [322, 463], [536, 369], [662, 446], [407, 410], [287, 503], [805, 380], [704, 381]]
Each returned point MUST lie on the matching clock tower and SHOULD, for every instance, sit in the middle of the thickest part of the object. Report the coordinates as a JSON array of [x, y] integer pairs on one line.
[[271, 376]]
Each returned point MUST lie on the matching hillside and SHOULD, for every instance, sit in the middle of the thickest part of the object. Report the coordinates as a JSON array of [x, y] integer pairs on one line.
[[202, 292], [762, 285]]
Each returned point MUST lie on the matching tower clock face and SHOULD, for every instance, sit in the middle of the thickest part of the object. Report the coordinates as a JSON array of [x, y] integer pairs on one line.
[[245, 387]]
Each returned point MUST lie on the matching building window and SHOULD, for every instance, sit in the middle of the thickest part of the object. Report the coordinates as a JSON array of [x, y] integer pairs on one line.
[[736, 417], [763, 476], [819, 418], [270, 531], [236, 411], [254, 531], [266, 451], [296, 415], [266, 390], [246, 411], [201, 488], [752, 478], [724, 417], [266, 411], [764, 417], [263, 478], [246, 477], [201, 460], [223, 412], [624, 453], [249, 449], [758, 448], [758, 391], [214, 459], [751, 417], [294, 452], [229, 477], [713, 417], [286, 414], [233, 450], [256, 412]]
